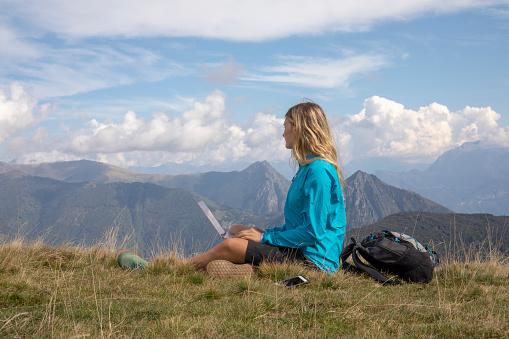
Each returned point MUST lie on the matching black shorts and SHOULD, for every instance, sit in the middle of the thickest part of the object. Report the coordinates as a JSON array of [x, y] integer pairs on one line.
[[256, 253]]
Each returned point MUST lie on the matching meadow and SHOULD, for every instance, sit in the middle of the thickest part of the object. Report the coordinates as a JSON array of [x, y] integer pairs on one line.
[[80, 292]]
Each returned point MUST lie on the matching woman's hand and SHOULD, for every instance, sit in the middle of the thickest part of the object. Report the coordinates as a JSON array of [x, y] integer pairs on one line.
[[253, 234], [237, 228]]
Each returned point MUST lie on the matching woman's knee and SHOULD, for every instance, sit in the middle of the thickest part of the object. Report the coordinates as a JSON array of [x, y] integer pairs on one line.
[[230, 243], [234, 245]]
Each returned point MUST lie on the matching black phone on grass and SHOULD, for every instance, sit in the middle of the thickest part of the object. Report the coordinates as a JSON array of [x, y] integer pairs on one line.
[[295, 281]]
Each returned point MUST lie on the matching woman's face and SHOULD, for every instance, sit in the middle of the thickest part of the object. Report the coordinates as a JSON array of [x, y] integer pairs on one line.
[[289, 133]]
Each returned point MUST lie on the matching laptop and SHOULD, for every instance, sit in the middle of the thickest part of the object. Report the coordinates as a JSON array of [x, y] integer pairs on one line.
[[214, 221]]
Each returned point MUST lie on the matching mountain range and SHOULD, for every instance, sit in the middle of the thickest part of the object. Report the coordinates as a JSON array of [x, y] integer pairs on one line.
[[473, 178], [153, 217], [82, 201], [259, 189]]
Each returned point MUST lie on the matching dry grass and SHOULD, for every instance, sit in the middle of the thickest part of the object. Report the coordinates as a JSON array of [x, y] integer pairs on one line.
[[77, 292]]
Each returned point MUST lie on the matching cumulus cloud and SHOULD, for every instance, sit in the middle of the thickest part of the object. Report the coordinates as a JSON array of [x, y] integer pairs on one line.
[[201, 135], [319, 72], [385, 128], [19, 111], [196, 128], [210, 19], [204, 134]]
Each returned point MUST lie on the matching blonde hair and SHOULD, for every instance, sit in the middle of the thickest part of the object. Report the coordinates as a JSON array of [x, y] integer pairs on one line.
[[313, 135]]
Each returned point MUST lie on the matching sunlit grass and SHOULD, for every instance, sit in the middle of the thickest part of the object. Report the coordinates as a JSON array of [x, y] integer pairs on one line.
[[81, 292]]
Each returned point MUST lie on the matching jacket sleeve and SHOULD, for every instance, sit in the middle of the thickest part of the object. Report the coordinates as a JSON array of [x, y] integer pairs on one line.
[[314, 207], [276, 229]]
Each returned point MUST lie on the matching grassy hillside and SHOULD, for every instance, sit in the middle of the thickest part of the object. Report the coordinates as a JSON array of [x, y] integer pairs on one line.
[[81, 292]]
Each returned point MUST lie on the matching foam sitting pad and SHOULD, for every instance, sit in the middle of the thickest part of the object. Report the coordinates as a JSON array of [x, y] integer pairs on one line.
[[224, 269], [131, 261]]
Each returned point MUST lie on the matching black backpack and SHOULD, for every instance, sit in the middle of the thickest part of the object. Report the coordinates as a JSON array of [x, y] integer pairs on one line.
[[394, 252]]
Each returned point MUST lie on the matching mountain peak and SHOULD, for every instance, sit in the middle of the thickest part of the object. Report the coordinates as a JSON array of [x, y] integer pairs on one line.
[[369, 199], [470, 145], [360, 176], [261, 167]]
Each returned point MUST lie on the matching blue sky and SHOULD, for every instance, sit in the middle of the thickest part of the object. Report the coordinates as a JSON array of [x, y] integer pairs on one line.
[[200, 85]]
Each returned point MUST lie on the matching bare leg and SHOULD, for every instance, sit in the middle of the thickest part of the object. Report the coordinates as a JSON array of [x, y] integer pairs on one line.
[[231, 249]]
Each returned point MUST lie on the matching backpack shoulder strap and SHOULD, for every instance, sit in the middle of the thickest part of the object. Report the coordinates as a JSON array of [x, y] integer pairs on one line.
[[347, 251], [373, 273], [345, 254]]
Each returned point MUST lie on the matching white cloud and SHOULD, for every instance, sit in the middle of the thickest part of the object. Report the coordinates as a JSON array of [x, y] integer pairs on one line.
[[319, 72], [204, 135], [14, 46], [63, 71], [19, 111], [66, 71], [384, 128], [198, 126], [253, 20]]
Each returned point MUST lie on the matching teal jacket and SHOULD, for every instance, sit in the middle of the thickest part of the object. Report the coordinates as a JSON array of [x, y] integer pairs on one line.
[[314, 216]]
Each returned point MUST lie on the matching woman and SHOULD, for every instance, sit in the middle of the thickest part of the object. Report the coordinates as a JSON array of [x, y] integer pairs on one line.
[[314, 211]]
